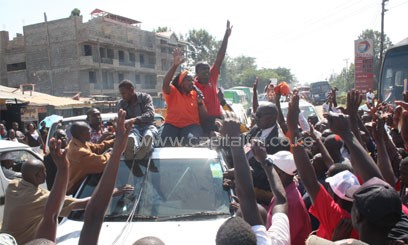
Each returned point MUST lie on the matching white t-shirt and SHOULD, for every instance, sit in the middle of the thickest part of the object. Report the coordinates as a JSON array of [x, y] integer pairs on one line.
[[278, 233], [369, 97]]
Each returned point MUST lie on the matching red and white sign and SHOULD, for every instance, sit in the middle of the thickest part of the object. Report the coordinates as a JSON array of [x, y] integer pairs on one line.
[[364, 65]]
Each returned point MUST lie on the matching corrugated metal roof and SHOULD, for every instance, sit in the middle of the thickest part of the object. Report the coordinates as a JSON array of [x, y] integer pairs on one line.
[[40, 99]]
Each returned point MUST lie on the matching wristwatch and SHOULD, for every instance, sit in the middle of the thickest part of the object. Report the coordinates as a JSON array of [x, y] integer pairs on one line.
[[268, 162]]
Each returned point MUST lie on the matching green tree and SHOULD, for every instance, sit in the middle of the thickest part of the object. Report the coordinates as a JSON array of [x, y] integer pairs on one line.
[[202, 46], [284, 74], [376, 37], [162, 29], [75, 12], [344, 81]]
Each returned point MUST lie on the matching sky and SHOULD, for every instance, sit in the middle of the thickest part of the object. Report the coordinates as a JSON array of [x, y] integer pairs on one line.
[[313, 38]]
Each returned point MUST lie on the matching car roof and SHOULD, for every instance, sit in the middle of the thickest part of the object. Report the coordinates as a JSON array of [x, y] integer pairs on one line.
[[105, 116], [183, 153], [6, 144], [301, 103]]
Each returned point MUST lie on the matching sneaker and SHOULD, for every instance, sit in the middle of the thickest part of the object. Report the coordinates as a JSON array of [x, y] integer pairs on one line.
[[129, 153], [145, 147]]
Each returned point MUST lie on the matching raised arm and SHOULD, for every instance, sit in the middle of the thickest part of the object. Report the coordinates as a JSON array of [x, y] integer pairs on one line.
[[242, 174], [95, 210], [255, 103], [328, 160], [48, 226], [281, 204], [281, 119], [303, 164], [178, 58], [363, 164], [223, 48]]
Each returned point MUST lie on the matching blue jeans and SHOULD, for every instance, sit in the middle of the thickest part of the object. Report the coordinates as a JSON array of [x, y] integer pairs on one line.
[[174, 136], [138, 132]]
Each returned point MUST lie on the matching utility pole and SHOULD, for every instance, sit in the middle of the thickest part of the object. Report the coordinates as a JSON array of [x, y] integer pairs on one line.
[[383, 10]]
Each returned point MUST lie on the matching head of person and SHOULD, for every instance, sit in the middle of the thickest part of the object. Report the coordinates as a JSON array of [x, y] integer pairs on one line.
[[149, 240], [93, 117], [270, 91], [319, 166], [2, 129], [33, 171], [376, 208], [14, 125], [235, 231], [42, 124], [285, 166], [266, 115], [370, 90], [334, 144], [7, 160], [126, 90], [11, 133], [183, 82], [61, 135], [80, 131], [404, 171], [340, 185], [202, 70], [30, 127]]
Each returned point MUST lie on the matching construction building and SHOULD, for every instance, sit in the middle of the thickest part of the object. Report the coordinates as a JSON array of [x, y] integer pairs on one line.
[[67, 56]]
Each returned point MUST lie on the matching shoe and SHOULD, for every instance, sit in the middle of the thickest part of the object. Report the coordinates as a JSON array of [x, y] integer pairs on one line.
[[145, 147], [129, 153]]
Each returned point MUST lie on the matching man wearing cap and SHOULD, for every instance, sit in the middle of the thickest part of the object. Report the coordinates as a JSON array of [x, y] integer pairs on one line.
[[284, 165]]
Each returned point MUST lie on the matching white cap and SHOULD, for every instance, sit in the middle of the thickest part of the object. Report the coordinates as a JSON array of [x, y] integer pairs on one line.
[[344, 184], [284, 161]]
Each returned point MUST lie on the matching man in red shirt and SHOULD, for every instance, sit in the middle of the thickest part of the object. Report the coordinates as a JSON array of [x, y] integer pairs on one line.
[[207, 81]]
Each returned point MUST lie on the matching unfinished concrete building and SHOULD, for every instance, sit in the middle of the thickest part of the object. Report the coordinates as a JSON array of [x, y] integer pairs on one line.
[[66, 56]]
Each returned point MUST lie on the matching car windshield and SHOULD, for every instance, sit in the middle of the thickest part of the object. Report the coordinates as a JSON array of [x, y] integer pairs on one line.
[[171, 189]]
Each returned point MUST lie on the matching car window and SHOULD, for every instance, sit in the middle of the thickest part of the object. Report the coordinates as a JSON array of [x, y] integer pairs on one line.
[[173, 187], [18, 157]]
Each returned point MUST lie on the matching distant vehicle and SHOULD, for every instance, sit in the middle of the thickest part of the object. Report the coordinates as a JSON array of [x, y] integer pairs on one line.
[[394, 73], [248, 91], [236, 97], [176, 202], [65, 123], [306, 108], [304, 92], [21, 153], [319, 92]]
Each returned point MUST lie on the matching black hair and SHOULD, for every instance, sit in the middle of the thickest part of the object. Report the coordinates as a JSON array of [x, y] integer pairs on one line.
[[235, 231], [77, 128], [126, 84], [200, 63], [337, 168], [89, 112]]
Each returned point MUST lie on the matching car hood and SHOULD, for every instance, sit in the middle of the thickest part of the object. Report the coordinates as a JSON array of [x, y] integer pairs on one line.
[[170, 232]]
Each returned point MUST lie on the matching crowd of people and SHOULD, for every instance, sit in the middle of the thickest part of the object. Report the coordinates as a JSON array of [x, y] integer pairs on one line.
[[339, 180]]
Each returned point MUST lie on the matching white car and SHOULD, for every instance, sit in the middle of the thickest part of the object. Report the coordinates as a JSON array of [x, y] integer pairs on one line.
[[20, 153], [179, 199], [306, 108]]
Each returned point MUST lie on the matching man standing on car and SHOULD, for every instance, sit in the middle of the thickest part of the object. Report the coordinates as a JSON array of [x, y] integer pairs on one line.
[[138, 106], [207, 81]]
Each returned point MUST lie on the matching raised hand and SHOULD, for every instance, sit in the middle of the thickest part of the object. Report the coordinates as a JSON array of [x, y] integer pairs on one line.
[[378, 130], [255, 85], [354, 99], [292, 117], [59, 156], [229, 28], [231, 125], [178, 57], [339, 123], [122, 130], [259, 151]]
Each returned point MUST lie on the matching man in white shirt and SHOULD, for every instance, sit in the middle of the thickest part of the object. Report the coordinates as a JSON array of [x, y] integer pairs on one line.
[[370, 96]]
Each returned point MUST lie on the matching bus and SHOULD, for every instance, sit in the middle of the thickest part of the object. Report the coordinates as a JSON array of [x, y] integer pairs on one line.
[[236, 97], [394, 73], [319, 92]]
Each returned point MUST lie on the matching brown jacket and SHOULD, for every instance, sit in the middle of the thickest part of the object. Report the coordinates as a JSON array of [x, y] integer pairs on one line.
[[84, 159]]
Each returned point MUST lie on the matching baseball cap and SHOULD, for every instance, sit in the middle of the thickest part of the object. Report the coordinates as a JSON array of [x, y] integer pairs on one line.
[[7, 239], [378, 203], [344, 184], [315, 240], [284, 161]]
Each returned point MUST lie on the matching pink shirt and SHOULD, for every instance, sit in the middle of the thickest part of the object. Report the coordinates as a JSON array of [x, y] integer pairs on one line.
[[299, 219]]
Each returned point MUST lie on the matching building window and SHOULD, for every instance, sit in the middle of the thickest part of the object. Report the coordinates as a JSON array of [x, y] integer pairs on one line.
[[87, 50], [102, 52], [92, 77], [121, 77], [121, 55], [16, 66], [110, 53], [132, 57], [137, 79], [141, 57], [150, 82]]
